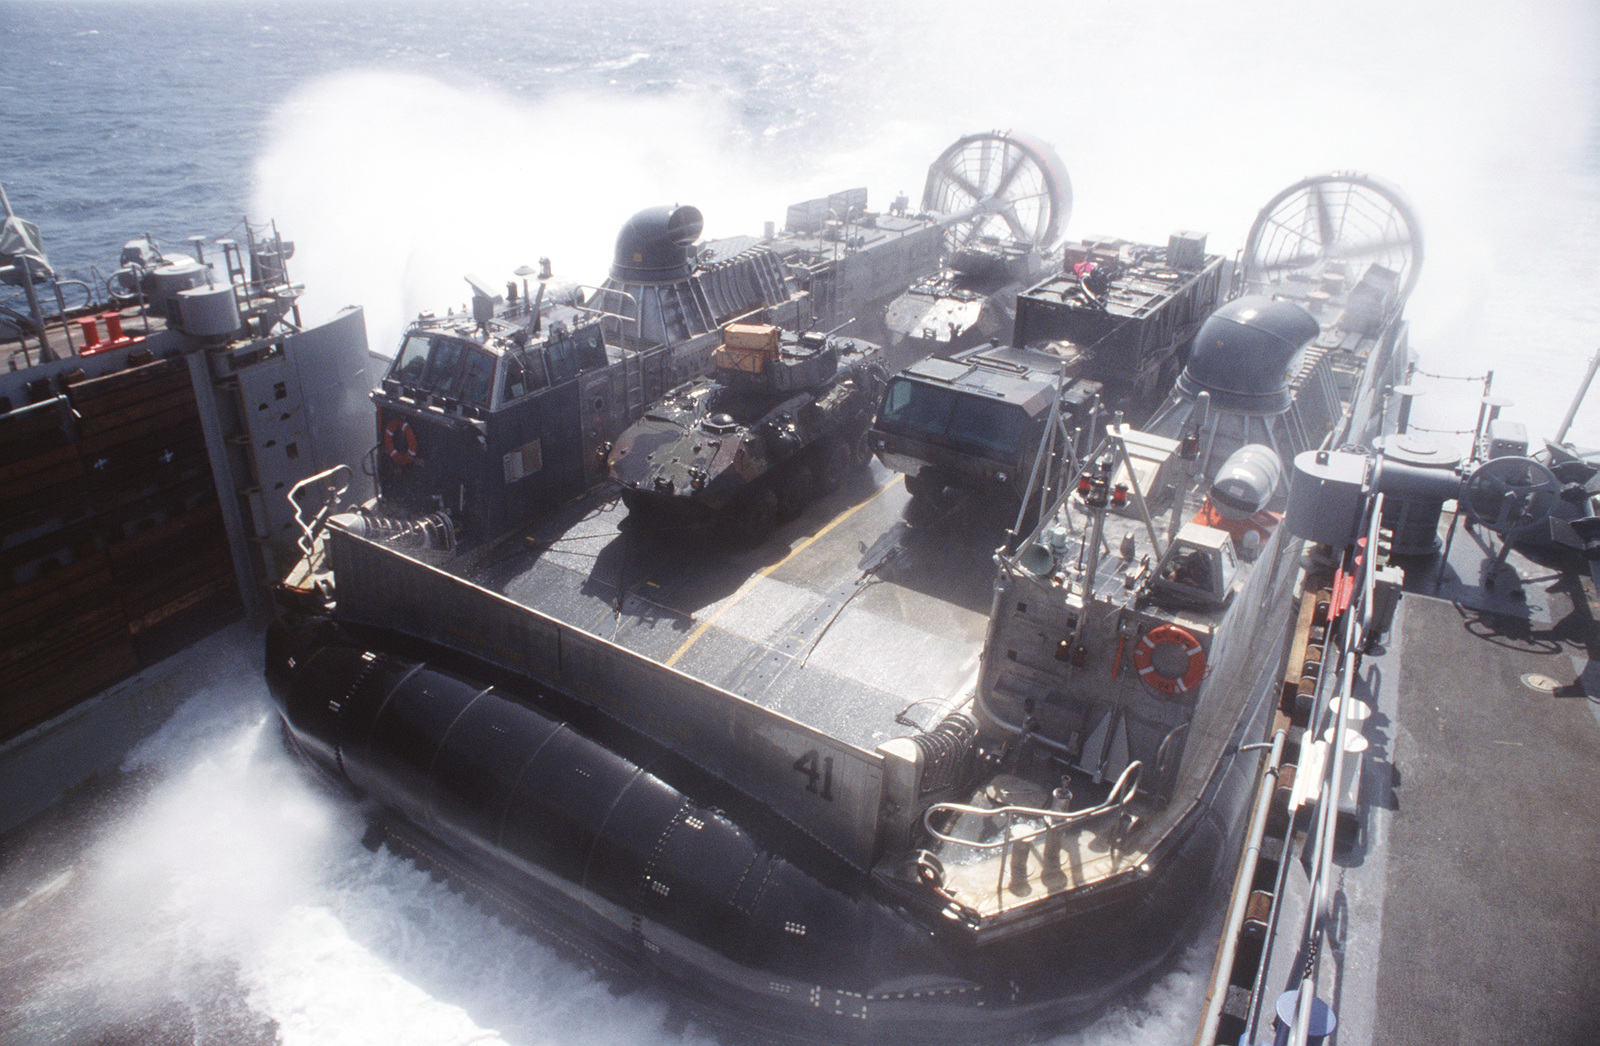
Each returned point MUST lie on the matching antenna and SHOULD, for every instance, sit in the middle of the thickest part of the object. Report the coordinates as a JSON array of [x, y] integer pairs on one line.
[[482, 301]]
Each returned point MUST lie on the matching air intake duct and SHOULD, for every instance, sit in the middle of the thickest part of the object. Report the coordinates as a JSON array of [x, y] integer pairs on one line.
[[1243, 355], [654, 245]]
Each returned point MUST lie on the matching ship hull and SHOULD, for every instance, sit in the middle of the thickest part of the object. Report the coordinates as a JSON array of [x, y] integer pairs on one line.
[[636, 863]]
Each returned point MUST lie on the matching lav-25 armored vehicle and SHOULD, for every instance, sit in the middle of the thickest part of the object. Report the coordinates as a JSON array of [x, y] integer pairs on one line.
[[781, 419], [987, 263]]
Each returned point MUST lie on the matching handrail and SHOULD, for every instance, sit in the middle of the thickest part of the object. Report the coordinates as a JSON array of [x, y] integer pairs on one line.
[[1046, 446], [1242, 886], [1319, 911], [1369, 572], [309, 530], [1052, 819], [582, 306]]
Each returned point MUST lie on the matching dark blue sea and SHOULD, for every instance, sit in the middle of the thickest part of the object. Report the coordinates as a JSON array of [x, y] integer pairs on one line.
[[402, 144]]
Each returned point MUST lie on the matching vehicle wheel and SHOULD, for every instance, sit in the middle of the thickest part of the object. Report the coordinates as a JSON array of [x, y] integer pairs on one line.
[[794, 492], [837, 460], [921, 484], [861, 449], [755, 516]]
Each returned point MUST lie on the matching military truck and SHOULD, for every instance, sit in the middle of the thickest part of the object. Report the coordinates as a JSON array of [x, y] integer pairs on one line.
[[976, 420], [781, 419], [1109, 332]]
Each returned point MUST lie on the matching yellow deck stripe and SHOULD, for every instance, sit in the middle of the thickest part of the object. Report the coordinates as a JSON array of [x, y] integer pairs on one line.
[[700, 630]]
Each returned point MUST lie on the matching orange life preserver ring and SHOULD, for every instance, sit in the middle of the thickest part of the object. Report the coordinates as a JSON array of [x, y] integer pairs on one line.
[[400, 427], [1163, 635]]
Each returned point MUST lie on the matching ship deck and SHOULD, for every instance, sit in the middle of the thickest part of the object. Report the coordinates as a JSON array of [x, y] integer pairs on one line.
[[847, 619], [68, 340], [1464, 906]]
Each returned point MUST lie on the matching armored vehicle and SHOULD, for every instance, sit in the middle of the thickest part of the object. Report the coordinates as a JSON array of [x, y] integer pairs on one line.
[[970, 299], [1024, 195], [782, 417]]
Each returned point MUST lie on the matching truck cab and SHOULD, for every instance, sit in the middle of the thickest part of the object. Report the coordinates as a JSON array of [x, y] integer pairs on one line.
[[1114, 325], [974, 420]]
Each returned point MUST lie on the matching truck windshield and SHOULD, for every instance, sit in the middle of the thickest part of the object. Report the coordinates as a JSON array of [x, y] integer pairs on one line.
[[961, 421]]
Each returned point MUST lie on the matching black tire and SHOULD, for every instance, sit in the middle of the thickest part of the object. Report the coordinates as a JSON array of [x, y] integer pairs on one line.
[[836, 462], [755, 515], [795, 490], [922, 484]]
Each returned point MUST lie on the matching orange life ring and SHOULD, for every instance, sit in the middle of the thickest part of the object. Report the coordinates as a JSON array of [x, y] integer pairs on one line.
[[1163, 635], [399, 426]]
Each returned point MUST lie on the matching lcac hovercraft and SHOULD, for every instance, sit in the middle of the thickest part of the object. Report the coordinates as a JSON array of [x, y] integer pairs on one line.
[[853, 783]]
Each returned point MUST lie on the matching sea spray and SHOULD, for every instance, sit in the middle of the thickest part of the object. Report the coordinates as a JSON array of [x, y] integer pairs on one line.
[[397, 186]]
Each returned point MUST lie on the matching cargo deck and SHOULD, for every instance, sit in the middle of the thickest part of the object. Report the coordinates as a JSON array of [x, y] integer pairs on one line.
[[846, 620]]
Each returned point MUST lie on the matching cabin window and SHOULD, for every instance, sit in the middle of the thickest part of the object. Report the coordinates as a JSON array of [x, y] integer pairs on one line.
[[444, 367], [995, 427], [1199, 566], [412, 360], [477, 377], [917, 409], [563, 358], [573, 352], [514, 385], [1190, 568], [524, 373]]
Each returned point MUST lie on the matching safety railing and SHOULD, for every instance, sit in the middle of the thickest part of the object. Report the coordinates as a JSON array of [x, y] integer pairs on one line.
[[1319, 912], [1052, 825], [1122, 793]]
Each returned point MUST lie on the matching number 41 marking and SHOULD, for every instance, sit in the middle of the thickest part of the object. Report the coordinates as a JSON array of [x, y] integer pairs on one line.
[[818, 782]]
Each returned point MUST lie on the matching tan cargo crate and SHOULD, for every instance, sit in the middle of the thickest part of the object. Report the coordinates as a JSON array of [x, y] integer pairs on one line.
[[762, 337]]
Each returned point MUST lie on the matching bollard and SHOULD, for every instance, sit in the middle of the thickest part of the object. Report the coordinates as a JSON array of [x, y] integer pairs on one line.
[[1050, 849], [1323, 1020], [1019, 864]]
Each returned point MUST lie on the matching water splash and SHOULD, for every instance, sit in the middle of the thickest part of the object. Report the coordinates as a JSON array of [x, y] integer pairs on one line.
[[1187, 117], [398, 185]]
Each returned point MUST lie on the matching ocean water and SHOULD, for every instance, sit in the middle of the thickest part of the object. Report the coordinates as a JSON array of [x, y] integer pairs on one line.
[[404, 144]]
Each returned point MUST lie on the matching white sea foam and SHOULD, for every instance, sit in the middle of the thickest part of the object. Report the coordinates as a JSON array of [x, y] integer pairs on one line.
[[399, 185], [239, 876]]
